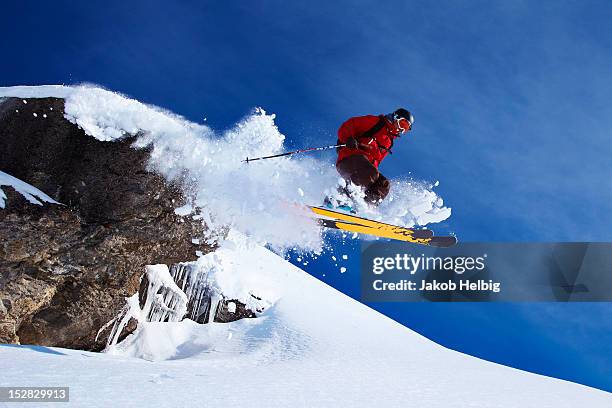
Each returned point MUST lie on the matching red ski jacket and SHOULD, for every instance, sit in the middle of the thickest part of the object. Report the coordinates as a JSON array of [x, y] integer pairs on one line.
[[377, 146]]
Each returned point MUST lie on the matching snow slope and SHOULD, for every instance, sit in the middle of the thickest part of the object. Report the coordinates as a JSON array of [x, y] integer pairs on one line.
[[258, 198], [314, 348], [29, 192]]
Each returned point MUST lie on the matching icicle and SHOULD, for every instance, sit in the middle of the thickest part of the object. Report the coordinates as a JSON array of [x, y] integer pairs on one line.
[[214, 302], [193, 281], [131, 309], [165, 301]]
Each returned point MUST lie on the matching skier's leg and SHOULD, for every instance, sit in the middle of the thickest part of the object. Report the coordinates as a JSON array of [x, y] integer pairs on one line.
[[361, 172], [378, 190], [358, 170]]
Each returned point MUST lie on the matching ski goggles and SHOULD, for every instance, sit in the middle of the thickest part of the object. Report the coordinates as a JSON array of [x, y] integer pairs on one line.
[[403, 125]]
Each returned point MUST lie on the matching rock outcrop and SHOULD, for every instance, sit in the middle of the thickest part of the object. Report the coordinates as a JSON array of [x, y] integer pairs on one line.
[[65, 270]]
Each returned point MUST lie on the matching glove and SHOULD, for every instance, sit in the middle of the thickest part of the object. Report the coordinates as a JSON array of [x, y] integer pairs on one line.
[[351, 143]]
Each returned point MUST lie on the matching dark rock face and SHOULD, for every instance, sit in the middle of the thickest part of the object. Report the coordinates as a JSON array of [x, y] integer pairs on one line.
[[65, 270], [225, 313]]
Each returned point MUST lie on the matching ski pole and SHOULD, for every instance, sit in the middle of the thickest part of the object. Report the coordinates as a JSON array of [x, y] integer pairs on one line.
[[294, 152]]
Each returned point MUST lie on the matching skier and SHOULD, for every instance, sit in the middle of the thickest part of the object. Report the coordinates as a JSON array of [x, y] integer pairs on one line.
[[368, 140]]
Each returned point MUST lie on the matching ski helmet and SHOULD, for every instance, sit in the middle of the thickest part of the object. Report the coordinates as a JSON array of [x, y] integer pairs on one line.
[[403, 120], [403, 113]]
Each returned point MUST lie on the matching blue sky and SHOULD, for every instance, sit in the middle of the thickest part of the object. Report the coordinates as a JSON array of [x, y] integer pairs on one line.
[[512, 117]]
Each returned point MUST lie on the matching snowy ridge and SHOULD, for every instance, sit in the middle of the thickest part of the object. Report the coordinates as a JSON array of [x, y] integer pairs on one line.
[[258, 198], [29, 192], [315, 347]]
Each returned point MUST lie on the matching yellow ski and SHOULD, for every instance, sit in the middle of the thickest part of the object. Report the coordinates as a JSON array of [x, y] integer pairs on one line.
[[352, 223]]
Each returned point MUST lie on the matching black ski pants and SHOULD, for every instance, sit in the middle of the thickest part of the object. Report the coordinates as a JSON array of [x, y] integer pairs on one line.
[[358, 169]]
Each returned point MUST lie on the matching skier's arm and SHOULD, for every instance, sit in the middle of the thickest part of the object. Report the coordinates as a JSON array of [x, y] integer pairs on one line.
[[346, 135]]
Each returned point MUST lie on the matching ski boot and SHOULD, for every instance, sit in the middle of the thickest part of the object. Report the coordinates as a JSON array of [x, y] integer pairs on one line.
[[327, 202]]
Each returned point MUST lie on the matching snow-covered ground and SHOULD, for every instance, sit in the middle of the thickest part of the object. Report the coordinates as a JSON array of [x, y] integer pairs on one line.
[[258, 198], [315, 347]]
